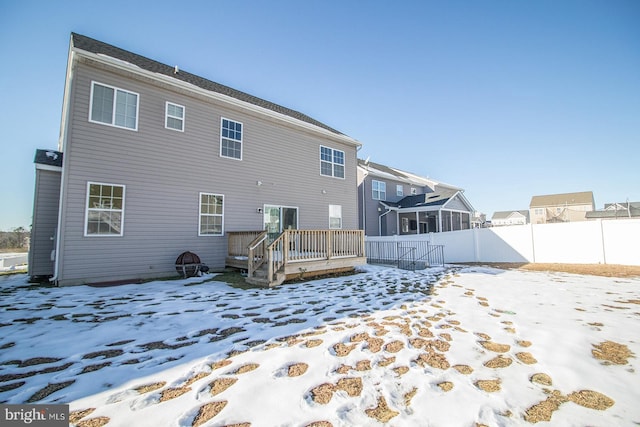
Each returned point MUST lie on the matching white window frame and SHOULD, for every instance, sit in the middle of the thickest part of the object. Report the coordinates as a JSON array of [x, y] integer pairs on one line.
[[201, 215], [335, 213], [378, 188], [332, 163], [168, 116], [414, 191], [114, 106], [399, 190], [103, 209], [240, 141]]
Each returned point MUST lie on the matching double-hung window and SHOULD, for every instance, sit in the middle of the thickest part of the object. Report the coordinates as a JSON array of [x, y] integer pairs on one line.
[[399, 190], [174, 117], [335, 216], [211, 215], [378, 190], [331, 162], [231, 139], [105, 209], [113, 106]]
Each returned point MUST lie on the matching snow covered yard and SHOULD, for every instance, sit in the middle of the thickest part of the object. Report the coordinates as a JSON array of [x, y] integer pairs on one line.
[[439, 347]]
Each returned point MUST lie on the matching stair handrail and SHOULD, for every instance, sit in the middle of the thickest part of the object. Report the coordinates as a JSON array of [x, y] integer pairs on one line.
[[276, 256], [255, 261]]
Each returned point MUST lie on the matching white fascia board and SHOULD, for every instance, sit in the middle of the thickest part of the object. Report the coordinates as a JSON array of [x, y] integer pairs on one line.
[[40, 166], [462, 199], [127, 66]]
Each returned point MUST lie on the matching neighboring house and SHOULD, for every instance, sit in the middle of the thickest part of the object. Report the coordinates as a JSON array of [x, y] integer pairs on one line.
[[565, 207], [395, 202], [158, 161], [501, 218], [623, 210]]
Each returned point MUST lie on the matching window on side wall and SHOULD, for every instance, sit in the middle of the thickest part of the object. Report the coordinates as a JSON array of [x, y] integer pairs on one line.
[[104, 210], [211, 215], [231, 139], [399, 190], [331, 162], [113, 106], [335, 216], [378, 190], [174, 117]]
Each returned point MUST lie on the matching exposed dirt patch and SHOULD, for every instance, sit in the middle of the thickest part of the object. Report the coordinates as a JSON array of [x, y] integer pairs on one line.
[[382, 413], [49, 389], [94, 422], [401, 370], [246, 368], [342, 349], [312, 343], [433, 359], [463, 369], [591, 399], [196, 377], [323, 393], [172, 393], [363, 365], [446, 386], [150, 387], [320, 424], [387, 361], [221, 384], [498, 362], [544, 410], [526, 358], [408, 396], [297, 369], [490, 386], [394, 346], [612, 353], [495, 347], [542, 379], [76, 416], [523, 343], [208, 411], [607, 270], [221, 364], [353, 386]]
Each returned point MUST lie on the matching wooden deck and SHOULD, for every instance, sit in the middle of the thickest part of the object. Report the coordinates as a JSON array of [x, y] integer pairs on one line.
[[294, 254]]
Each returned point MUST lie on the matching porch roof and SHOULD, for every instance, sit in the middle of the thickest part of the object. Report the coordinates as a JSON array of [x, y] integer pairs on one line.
[[438, 198]]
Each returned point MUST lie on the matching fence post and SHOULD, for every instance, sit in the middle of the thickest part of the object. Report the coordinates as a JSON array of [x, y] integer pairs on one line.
[[604, 251]]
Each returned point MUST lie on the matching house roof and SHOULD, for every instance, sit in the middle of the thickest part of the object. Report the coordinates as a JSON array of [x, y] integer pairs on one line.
[[568, 199], [621, 212], [387, 172], [48, 157], [437, 198], [100, 48], [507, 214]]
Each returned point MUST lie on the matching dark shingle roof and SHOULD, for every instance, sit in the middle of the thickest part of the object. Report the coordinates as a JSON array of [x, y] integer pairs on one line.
[[94, 46], [48, 157]]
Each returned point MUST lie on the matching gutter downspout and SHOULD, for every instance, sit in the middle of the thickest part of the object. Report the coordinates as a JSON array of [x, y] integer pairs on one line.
[[380, 220]]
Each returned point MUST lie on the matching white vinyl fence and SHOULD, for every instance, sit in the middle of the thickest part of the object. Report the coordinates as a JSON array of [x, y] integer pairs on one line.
[[586, 242]]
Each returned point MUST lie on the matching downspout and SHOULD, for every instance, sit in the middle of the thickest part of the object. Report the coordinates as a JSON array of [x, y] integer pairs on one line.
[[62, 146], [380, 220]]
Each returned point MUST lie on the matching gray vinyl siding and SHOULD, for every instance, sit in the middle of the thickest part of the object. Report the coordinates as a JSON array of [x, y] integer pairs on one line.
[[45, 222], [457, 204], [164, 172]]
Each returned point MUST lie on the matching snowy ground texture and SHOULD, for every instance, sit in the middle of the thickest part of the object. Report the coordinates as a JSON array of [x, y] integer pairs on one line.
[[440, 347]]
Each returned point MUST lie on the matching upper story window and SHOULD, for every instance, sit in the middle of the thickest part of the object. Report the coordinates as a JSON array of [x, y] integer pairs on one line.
[[414, 191], [174, 117], [105, 209], [231, 139], [113, 106], [399, 190], [211, 215], [331, 162], [378, 190]]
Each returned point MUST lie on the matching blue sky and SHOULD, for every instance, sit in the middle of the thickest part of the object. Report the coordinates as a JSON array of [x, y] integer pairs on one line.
[[506, 99]]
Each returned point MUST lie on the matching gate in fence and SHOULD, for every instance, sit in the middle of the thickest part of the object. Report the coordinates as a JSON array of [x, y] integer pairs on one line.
[[412, 256]]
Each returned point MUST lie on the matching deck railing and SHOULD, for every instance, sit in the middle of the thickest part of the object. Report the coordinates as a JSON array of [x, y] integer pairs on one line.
[[293, 246]]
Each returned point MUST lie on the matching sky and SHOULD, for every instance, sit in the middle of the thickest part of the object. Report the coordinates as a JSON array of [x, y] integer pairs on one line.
[[347, 351], [504, 99]]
